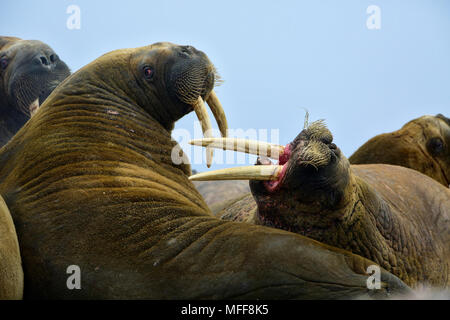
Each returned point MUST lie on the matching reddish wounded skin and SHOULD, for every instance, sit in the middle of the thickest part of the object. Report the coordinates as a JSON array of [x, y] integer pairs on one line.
[[273, 185]]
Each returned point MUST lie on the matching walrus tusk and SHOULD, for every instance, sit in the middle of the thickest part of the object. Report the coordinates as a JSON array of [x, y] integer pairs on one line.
[[269, 172], [203, 117], [34, 106], [259, 148], [217, 110]]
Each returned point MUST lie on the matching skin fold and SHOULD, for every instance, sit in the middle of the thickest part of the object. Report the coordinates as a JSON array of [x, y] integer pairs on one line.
[[392, 215], [422, 144], [90, 181], [29, 71]]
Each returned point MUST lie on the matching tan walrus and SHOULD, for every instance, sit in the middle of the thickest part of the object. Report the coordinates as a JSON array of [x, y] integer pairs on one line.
[[29, 71], [11, 273], [422, 144], [395, 216], [90, 181]]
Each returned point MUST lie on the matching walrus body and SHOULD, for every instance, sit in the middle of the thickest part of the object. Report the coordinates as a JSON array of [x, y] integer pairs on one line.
[[422, 144], [393, 215], [29, 71], [11, 273], [90, 182]]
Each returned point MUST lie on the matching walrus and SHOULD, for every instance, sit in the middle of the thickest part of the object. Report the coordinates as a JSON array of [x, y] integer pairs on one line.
[[423, 144], [11, 273], [91, 181], [392, 215], [29, 71]]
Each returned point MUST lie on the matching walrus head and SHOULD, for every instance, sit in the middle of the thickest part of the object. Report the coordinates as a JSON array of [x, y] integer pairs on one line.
[[311, 178], [422, 144], [29, 71], [165, 80], [188, 77]]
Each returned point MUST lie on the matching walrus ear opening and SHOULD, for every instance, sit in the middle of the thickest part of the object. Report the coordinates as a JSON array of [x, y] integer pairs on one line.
[[7, 40]]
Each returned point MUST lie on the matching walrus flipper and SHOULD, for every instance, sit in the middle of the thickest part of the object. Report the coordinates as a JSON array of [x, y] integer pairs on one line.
[[11, 273]]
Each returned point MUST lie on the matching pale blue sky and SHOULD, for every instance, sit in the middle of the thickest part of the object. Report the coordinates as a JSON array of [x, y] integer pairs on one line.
[[276, 57]]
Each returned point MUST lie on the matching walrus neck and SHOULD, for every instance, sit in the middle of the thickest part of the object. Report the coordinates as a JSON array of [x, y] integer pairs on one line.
[[115, 116], [312, 216], [11, 120]]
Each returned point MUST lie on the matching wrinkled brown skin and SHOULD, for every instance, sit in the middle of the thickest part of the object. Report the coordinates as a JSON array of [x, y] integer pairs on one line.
[[11, 273], [422, 144], [393, 215], [89, 181], [32, 70]]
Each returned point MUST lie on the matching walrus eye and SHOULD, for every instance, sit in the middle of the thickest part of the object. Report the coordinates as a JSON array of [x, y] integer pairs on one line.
[[435, 145], [148, 72], [3, 63]]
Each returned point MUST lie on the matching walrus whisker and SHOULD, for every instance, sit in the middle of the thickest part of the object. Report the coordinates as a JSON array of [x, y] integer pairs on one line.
[[309, 163], [218, 81], [259, 148], [268, 172]]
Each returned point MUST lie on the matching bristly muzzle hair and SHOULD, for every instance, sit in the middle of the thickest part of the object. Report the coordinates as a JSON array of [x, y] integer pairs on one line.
[[196, 80], [25, 91]]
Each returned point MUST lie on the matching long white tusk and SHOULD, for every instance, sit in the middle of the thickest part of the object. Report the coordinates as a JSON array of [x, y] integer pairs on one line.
[[260, 148], [203, 117], [270, 172], [217, 110]]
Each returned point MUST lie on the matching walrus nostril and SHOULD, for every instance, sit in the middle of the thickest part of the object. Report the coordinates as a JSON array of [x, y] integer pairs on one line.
[[186, 51], [44, 60]]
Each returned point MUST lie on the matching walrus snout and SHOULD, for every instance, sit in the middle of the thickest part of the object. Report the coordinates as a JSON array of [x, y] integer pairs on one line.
[[192, 76], [47, 59], [191, 80]]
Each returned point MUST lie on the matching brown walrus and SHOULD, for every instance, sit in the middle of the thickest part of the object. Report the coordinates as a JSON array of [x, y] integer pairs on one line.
[[29, 71], [393, 215], [422, 144], [11, 274], [90, 181]]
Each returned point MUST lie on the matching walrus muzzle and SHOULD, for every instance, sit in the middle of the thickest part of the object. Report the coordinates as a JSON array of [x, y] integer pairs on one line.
[[192, 82]]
